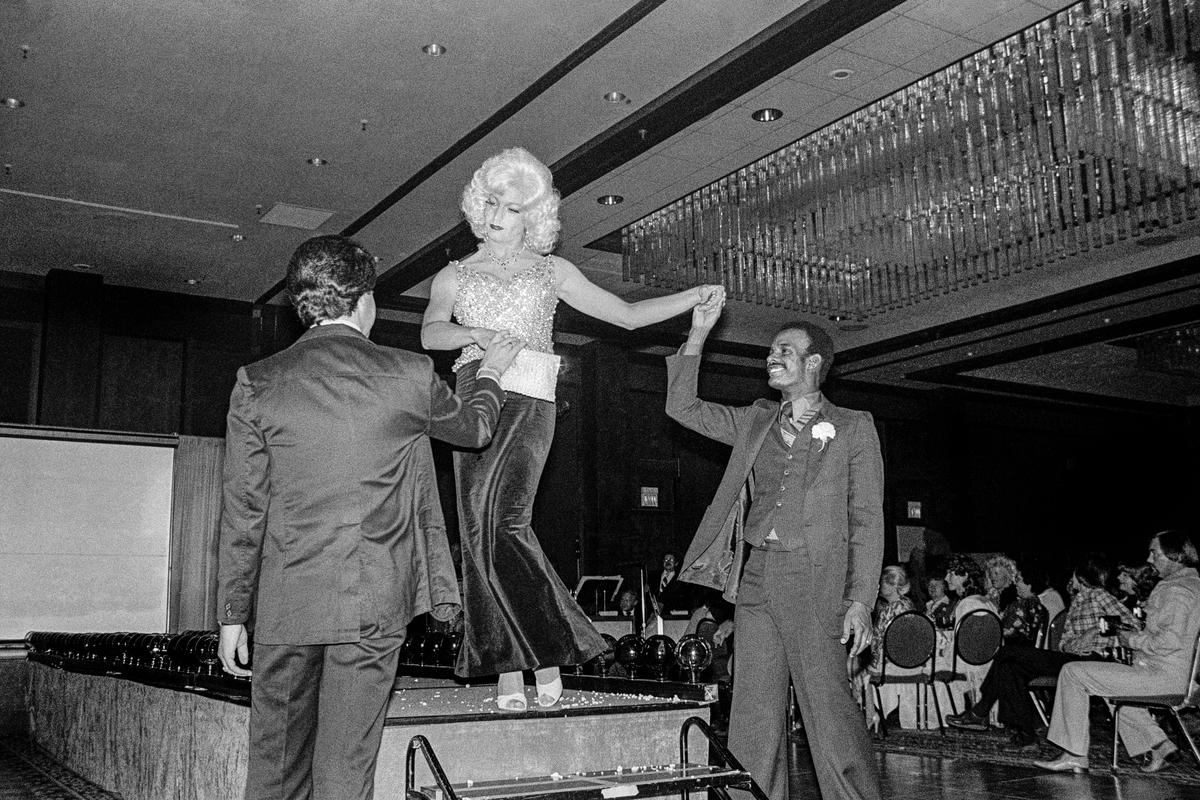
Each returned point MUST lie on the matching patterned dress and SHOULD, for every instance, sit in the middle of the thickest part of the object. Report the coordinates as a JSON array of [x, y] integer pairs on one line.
[[517, 613]]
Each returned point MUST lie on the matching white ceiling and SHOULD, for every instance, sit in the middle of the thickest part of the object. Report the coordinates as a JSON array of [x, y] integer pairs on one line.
[[203, 114]]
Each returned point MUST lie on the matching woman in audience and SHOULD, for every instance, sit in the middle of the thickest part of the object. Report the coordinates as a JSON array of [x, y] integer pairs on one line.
[[999, 579], [965, 579], [893, 591], [1024, 617], [1134, 584], [894, 600], [939, 606]]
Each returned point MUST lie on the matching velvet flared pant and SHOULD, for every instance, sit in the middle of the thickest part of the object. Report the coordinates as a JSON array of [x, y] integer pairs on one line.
[[517, 613]]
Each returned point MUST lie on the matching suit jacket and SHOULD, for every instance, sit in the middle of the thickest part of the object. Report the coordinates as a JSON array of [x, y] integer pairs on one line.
[[331, 513], [842, 518]]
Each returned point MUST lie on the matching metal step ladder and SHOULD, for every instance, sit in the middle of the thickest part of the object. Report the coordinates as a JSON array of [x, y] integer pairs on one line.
[[638, 781]]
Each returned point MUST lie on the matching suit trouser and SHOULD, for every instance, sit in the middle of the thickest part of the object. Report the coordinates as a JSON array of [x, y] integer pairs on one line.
[[1079, 681], [779, 635], [316, 718]]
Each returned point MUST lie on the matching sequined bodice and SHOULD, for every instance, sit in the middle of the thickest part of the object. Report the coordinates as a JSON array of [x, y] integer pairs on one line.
[[523, 304]]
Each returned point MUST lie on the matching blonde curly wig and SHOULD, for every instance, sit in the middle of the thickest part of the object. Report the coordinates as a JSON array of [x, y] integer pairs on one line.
[[516, 168]]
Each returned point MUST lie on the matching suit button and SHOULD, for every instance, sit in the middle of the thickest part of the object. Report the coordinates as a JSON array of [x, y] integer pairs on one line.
[[787, 472]]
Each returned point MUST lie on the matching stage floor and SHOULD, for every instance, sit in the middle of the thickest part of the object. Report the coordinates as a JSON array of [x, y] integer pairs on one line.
[[434, 700]]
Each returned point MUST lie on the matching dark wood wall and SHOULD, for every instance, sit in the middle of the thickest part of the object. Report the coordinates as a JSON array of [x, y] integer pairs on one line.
[[992, 473]]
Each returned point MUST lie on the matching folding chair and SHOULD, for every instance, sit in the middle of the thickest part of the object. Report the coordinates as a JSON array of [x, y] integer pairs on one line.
[[1188, 699], [1042, 685], [909, 642], [977, 639]]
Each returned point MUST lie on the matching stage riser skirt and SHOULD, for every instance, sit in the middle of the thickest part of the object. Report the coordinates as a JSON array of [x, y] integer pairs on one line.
[[148, 743]]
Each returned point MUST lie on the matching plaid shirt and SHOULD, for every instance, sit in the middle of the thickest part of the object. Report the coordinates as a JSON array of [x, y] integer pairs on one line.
[[1081, 632]]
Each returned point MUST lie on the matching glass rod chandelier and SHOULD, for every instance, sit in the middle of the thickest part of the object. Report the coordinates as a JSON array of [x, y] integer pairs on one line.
[[1075, 133]]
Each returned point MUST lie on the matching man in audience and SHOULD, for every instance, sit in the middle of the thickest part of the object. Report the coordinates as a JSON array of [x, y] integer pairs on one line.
[[332, 528], [1162, 663], [815, 530], [1017, 664]]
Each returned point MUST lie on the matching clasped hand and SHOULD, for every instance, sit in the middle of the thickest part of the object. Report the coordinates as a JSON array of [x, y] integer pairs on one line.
[[707, 311], [501, 351]]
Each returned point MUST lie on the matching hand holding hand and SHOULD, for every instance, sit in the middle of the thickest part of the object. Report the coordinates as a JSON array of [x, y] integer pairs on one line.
[[483, 336], [707, 310], [234, 645], [712, 295], [857, 624], [501, 351]]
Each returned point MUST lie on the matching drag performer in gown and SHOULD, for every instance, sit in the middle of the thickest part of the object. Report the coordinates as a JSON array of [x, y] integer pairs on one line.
[[517, 613]]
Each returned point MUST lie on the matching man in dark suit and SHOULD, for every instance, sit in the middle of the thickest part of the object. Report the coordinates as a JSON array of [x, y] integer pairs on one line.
[[670, 595], [332, 527], [812, 474]]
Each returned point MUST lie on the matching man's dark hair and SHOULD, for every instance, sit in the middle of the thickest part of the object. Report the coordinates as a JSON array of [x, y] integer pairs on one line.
[[1178, 547], [326, 277], [1036, 575], [1095, 570], [819, 342]]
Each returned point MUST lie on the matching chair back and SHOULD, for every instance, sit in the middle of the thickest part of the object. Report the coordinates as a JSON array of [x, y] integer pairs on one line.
[[909, 640], [1192, 691], [1054, 631], [978, 637]]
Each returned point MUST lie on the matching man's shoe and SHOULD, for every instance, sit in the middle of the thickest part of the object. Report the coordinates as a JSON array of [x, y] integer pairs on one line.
[[1065, 763], [967, 721], [1159, 757]]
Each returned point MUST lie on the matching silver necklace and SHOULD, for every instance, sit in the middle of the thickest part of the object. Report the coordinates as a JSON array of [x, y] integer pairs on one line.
[[503, 262]]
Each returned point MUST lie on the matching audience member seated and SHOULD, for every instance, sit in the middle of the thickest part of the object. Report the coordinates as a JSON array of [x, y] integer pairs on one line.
[[893, 594], [1016, 664], [1039, 578], [669, 594], [965, 579], [999, 580], [893, 591], [1161, 664], [939, 607], [1134, 584], [1025, 617]]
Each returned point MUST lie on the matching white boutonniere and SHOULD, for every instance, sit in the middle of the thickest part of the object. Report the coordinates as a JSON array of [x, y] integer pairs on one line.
[[823, 432]]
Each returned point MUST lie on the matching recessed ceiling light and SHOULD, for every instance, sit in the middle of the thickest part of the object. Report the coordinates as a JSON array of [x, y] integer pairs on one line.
[[318, 162], [615, 97], [238, 237], [848, 322], [840, 74], [81, 265], [191, 281], [13, 102], [434, 50], [766, 115], [610, 199]]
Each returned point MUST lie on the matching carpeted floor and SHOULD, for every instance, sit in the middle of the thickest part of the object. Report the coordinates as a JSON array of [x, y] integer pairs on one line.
[[992, 747], [26, 773]]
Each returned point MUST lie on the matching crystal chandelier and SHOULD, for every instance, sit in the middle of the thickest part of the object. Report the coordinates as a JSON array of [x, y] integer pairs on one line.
[[1075, 133]]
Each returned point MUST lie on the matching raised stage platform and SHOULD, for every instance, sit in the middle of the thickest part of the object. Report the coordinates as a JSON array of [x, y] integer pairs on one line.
[[148, 742]]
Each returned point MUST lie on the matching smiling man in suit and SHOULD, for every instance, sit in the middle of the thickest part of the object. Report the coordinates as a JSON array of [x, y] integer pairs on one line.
[[812, 476], [332, 528]]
